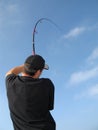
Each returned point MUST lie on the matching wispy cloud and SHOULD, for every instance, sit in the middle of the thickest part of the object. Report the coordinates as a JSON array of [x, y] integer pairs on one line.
[[9, 13], [78, 30], [93, 56], [93, 90], [74, 32], [93, 27], [82, 76], [90, 92], [12, 8]]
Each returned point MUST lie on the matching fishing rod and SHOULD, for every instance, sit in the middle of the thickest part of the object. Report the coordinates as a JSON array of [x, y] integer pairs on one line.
[[34, 31]]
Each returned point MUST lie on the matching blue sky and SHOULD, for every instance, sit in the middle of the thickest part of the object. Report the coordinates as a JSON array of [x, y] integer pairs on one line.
[[71, 52]]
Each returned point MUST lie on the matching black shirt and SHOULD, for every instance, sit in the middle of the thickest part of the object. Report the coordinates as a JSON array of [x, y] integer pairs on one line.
[[29, 102]]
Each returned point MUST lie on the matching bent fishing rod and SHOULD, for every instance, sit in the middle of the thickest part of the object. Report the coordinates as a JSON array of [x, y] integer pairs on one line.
[[35, 27]]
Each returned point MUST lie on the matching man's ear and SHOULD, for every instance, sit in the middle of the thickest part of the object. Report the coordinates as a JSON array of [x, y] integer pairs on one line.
[[38, 72]]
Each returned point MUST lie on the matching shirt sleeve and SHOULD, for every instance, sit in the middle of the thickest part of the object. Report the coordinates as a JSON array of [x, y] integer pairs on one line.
[[10, 79], [51, 96]]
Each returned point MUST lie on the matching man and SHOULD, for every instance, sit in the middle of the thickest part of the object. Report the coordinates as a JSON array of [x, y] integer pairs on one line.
[[30, 98]]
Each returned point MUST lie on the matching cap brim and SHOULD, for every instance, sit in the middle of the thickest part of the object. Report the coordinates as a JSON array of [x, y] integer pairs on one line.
[[46, 67]]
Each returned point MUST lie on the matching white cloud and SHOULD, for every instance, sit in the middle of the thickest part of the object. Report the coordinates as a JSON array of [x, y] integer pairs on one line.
[[74, 32], [93, 56], [93, 27], [93, 90], [9, 14], [12, 8], [82, 76], [90, 92], [78, 30]]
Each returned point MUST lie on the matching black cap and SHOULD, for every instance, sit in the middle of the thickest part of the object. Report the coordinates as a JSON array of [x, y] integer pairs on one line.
[[35, 62]]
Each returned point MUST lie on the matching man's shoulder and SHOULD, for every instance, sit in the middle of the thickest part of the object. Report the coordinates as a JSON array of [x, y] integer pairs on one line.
[[10, 76], [46, 79]]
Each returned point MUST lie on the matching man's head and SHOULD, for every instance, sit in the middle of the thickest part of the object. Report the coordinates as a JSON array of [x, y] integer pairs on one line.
[[34, 63]]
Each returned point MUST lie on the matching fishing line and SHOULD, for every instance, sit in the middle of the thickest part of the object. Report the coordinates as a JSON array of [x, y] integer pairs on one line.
[[35, 27]]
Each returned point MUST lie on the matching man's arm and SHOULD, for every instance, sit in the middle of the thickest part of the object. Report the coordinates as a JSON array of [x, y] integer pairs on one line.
[[51, 96], [16, 70]]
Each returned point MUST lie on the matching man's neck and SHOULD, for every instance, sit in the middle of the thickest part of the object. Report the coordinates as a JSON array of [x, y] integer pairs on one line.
[[34, 76]]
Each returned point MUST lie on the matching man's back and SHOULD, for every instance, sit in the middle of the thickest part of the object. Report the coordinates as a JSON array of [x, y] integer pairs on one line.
[[30, 101]]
